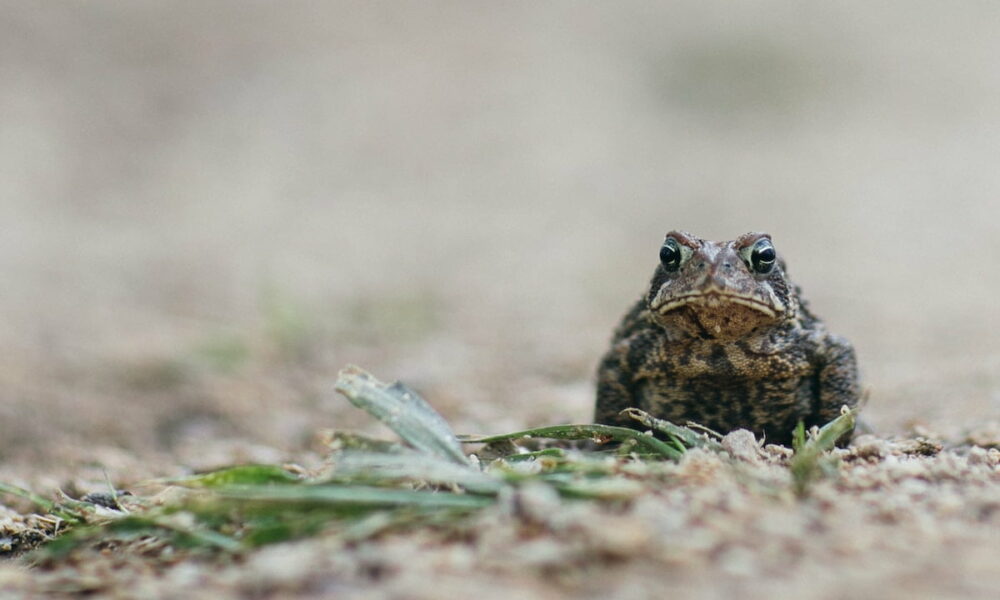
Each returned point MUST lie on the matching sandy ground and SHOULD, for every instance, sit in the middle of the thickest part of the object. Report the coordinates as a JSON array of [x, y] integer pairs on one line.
[[208, 210]]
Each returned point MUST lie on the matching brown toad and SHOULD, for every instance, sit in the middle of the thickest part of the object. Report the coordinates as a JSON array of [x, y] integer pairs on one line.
[[723, 339]]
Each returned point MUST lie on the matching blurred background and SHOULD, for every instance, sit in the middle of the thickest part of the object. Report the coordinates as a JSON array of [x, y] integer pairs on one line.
[[208, 209]]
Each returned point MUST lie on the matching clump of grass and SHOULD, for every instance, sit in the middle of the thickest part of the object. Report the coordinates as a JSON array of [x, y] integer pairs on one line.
[[370, 486], [810, 459]]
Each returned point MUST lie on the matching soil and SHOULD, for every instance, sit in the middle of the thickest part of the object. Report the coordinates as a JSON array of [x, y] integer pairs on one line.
[[209, 211]]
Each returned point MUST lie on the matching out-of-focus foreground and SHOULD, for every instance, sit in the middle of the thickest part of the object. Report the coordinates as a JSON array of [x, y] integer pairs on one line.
[[208, 209]]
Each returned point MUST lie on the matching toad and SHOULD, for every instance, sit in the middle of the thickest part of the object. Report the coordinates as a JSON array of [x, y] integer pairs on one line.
[[724, 339]]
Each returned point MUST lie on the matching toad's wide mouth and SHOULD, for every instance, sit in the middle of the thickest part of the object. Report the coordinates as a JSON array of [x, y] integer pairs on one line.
[[715, 299]]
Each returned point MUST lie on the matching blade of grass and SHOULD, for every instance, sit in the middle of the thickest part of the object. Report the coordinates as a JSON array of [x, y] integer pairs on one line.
[[806, 465], [543, 453], [374, 468], [239, 475], [799, 436], [64, 512], [685, 435], [585, 432], [349, 495], [184, 533], [281, 527], [345, 440], [39, 501], [604, 488], [403, 410], [175, 530]]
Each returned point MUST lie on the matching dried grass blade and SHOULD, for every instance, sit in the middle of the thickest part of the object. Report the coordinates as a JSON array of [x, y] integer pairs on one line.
[[404, 411]]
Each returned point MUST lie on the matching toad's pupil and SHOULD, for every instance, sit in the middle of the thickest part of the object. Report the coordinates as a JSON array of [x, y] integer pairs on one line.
[[765, 255], [670, 256], [762, 258]]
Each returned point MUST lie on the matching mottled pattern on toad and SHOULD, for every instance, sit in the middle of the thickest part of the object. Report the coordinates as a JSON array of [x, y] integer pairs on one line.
[[723, 339]]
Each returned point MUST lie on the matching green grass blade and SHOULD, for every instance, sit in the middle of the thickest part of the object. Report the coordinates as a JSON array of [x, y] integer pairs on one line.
[[176, 531], [352, 495], [344, 440], [545, 453], [61, 510], [685, 435], [378, 468], [799, 436], [404, 411], [603, 488], [189, 535], [239, 475], [39, 501], [806, 465], [586, 432], [835, 429]]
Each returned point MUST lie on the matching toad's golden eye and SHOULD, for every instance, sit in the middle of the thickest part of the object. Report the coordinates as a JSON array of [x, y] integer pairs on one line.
[[762, 256], [670, 255]]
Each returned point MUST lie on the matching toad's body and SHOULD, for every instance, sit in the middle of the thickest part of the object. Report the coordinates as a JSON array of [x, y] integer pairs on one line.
[[723, 339]]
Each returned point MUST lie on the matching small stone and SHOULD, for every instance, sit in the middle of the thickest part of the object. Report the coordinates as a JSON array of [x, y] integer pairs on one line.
[[742, 445]]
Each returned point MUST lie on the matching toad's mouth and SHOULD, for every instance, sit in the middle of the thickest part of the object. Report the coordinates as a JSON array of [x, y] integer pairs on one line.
[[715, 300]]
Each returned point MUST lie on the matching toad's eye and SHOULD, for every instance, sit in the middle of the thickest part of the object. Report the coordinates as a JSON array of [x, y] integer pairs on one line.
[[670, 255], [762, 257]]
